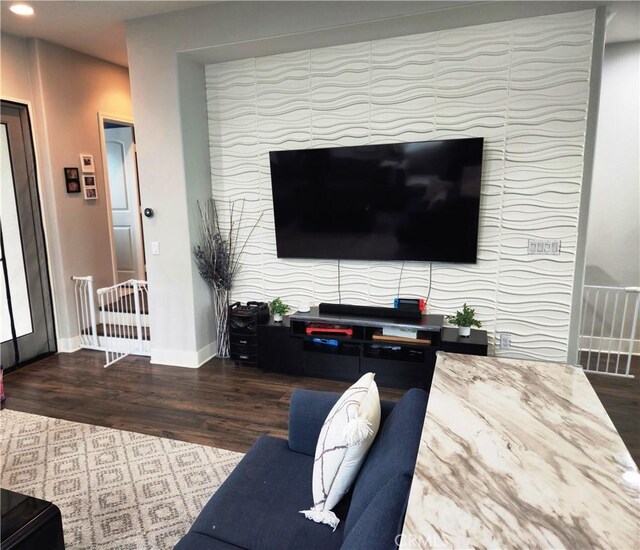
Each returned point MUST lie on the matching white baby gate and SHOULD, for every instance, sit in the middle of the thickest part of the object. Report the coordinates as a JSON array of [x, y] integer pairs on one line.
[[123, 327], [609, 329]]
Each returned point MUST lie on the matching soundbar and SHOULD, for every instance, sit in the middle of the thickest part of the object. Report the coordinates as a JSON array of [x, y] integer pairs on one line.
[[369, 311]]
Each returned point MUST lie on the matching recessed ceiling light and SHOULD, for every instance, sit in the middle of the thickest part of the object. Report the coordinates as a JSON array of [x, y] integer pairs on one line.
[[22, 9]]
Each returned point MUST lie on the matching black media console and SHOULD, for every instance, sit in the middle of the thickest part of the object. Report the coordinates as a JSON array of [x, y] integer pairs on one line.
[[402, 363]]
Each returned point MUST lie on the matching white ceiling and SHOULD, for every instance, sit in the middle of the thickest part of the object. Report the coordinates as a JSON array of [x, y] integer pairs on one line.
[[96, 27]]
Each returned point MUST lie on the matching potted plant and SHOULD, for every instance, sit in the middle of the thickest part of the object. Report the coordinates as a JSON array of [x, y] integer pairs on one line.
[[278, 308], [464, 320]]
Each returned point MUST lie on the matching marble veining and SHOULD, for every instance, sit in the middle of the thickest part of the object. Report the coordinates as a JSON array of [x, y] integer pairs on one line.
[[519, 454]]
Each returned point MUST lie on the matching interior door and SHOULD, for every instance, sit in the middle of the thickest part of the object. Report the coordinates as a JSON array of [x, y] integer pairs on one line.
[[27, 315], [125, 203]]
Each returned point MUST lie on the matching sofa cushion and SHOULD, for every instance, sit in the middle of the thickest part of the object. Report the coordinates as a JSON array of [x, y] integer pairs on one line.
[[344, 441], [393, 453], [196, 541], [257, 507], [381, 521]]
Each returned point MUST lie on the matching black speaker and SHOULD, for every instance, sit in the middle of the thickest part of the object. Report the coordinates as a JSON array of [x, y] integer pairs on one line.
[[243, 327], [370, 311]]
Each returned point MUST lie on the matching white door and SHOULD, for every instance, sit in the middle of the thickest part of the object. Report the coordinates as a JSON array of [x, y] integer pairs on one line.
[[125, 204]]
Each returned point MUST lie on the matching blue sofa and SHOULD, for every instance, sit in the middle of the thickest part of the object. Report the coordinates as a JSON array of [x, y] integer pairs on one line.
[[257, 507]]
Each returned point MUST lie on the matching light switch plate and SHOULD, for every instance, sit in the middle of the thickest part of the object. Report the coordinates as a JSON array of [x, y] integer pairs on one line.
[[544, 247]]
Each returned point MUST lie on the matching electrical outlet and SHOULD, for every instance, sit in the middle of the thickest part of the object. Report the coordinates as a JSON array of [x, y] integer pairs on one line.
[[505, 340], [544, 247]]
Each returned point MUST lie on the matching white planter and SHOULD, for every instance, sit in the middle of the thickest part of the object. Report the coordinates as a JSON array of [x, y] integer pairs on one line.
[[464, 331], [277, 317]]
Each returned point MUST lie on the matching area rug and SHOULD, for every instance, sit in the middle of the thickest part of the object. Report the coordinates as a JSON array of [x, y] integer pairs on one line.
[[115, 489]]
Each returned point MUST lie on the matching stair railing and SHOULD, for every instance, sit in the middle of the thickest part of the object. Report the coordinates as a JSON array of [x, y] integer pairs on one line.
[[121, 310], [86, 312], [609, 329]]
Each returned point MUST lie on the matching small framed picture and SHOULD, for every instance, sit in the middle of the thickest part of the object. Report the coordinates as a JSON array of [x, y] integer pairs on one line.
[[86, 163], [72, 180], [89, 181], [90, 193]]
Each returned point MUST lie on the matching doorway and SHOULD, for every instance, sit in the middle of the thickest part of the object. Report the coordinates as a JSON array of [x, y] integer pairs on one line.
[[28, 330], [121, 179]]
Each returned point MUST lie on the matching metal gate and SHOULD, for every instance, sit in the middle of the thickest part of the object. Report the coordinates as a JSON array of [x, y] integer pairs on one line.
[[123, 315], [609, 329]]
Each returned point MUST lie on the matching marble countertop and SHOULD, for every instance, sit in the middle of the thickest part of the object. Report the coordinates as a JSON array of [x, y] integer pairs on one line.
[[519, 454]]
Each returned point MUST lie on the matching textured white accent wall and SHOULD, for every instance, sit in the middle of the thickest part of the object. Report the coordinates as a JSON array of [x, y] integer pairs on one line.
[[522, 85]]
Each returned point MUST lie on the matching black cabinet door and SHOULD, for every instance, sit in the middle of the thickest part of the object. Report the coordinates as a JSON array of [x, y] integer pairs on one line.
[[475, 344], [277, 351]]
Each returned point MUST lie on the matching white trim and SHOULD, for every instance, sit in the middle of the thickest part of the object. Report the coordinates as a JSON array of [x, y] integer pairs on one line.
[[606, 345], [187, 359], [68, 345], [60, 342], [206, 353], [175, 358]]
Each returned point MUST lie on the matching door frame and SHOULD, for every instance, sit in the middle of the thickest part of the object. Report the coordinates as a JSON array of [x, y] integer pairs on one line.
[[125, 121], [43, 205]]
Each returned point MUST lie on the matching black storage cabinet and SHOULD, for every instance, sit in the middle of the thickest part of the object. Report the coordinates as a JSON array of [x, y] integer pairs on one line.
[[243, 331], [278, 351]]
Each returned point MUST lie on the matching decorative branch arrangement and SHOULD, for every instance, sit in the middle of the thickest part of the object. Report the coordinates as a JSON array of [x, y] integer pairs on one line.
[[218, 260], [218, 254]]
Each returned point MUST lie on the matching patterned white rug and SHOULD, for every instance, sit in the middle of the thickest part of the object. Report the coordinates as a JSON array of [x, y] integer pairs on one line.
[[115, 489]]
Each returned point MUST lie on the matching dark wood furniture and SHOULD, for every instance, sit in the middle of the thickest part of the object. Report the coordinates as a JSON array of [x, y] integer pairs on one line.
[[277, 351], [287, 348], [475, 344], [29, 523], [397, 364]]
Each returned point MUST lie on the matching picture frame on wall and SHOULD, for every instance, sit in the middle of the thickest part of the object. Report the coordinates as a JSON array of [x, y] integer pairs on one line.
[[90, 193], [86, 164], [89, 181], [72, 179]]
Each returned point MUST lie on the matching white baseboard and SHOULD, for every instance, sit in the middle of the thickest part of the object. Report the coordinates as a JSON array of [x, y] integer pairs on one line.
[[188, 359], [68, 345], [207, 352]]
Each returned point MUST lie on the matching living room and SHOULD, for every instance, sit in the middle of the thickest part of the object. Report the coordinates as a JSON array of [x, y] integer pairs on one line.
[[278, 66]]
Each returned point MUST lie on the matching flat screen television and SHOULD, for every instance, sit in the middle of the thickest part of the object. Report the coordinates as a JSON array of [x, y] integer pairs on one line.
[[400, 201]]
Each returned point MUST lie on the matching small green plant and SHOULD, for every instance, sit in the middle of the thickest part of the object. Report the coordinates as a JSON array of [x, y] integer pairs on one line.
[[278, 307], [464, 318]]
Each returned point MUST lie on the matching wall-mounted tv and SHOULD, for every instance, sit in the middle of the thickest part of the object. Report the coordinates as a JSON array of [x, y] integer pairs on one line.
[[399, 201]]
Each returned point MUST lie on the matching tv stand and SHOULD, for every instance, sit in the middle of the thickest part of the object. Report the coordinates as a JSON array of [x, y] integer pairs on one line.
[[287, 348], [397, 362]]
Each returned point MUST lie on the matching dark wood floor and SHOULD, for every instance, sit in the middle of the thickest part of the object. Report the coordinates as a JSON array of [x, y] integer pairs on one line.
[[218, 404], [621, 398]]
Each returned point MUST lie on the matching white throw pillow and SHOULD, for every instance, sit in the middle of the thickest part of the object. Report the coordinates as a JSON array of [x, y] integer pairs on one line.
[[344, 441]]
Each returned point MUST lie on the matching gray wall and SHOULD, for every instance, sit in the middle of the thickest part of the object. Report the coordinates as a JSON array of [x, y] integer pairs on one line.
[[613, 238], [66, 90]]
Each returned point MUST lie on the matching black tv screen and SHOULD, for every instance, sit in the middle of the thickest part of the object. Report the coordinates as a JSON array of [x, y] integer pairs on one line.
[[401, 201]]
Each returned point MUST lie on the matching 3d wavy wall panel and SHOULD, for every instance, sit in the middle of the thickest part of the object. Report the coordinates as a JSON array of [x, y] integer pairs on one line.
[[522, 85]]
